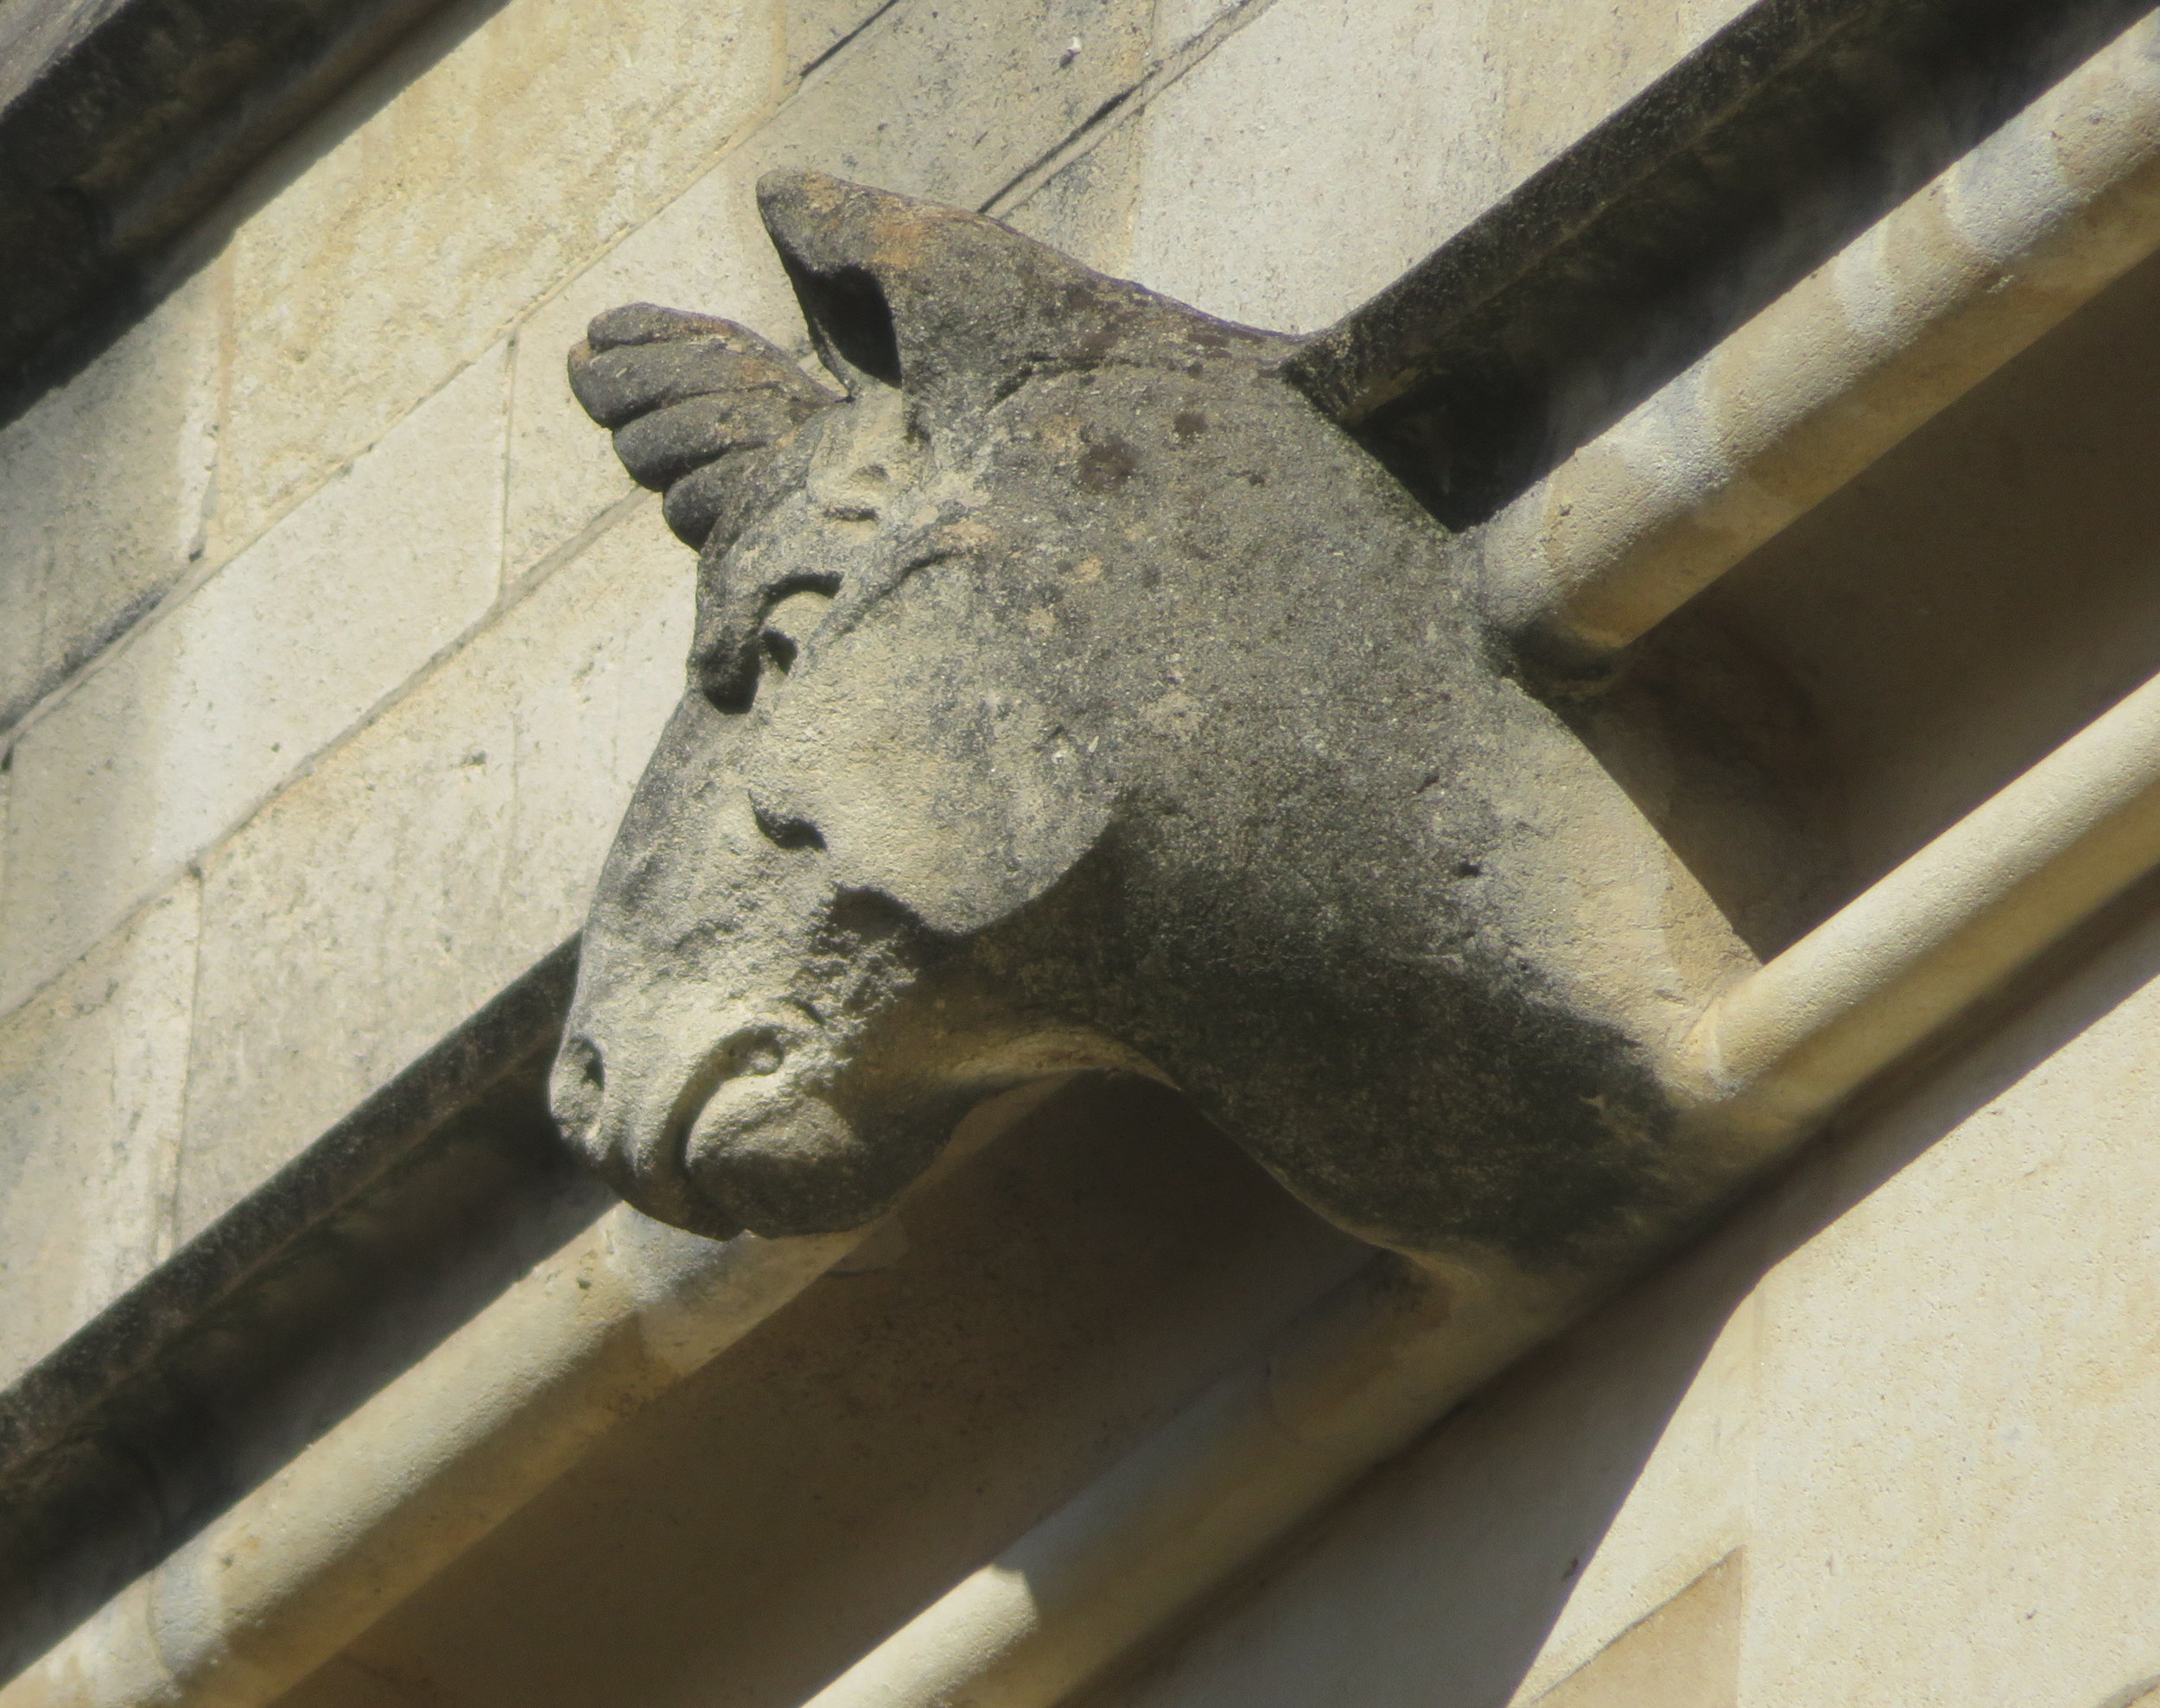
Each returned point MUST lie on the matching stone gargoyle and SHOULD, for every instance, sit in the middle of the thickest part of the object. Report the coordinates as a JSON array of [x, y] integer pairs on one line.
[[1069, 694]]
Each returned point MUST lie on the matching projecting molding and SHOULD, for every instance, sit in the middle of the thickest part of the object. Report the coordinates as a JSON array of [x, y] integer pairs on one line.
[[123, 120], [1519, 345]]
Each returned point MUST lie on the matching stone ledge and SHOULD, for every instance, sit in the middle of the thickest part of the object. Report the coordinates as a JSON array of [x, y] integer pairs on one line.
[[121, 120], [288, 1310], [1673, 223]]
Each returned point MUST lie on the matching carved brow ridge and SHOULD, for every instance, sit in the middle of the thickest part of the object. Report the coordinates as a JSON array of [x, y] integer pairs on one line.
[[724, 666]]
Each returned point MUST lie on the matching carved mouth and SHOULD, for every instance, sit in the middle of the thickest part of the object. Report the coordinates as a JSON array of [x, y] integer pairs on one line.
[[708, 1158], [769, 1153]]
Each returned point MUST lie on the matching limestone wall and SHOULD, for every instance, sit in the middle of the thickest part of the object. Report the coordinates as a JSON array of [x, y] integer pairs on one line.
[[335, 638], [1885, 1440], [336, 635]]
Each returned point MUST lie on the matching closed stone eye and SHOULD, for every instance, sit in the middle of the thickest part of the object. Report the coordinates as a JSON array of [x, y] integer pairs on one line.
[[790, 624]]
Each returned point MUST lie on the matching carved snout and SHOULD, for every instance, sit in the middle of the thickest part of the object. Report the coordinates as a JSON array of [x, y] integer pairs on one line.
[[740, 1135]]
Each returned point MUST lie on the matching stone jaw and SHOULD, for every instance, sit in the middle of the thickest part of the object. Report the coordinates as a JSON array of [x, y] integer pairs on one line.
[[1073, 696]]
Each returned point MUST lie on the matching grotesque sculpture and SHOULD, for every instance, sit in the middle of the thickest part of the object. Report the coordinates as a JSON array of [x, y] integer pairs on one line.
[[1068, 694]]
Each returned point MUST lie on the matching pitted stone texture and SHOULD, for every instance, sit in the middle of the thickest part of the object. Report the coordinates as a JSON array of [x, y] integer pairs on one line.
[[92, 1075], [1270, 197], [428, 861], [184, 731], [414, 229], [952, 100], [1073, 696], [105, 488]]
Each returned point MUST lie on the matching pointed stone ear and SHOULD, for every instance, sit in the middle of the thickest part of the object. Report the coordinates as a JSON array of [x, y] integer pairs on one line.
[[956, 309]]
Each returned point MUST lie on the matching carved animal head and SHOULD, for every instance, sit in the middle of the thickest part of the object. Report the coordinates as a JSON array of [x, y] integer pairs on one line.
[[1068, 694]]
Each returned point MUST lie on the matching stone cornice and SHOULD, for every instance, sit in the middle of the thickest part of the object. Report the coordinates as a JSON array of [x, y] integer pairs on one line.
[[1613, 268], [283, 1313], [123, 120]]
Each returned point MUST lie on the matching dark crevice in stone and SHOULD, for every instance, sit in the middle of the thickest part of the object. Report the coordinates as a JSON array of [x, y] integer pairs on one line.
[[849, 306], [1634, 253], [121, 123], [826, 55], [1095, 121]]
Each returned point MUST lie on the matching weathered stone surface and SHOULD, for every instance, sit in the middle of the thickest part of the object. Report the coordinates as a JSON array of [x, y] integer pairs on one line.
[[108, 480], [1087, 207], [1563, 1505], [486, 177], [1268, 197], [1686, 1653], [1179, 21], [202, 716], [122, 120], [816, 28], [952, 100], [431, 859], [1954, 1451], [92, 1077], [1255, 154], [1074, 696]]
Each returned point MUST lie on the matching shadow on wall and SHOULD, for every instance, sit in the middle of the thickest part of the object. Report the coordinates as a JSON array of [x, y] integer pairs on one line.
[[408, 51], [745, 1538], [1914, 642], [1446, 1578]]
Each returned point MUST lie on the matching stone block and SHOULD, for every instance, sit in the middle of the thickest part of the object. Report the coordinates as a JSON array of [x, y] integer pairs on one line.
[[92, 1075], [1563, 1505], [152, 757], [953, 101], [816, 28], [1086, 208], [104, 484], [1177, 22], [1686, 1654], [427, 861], [956, 100], [1314, 155], [486, 176], [1328, 145], [1954, 1479]]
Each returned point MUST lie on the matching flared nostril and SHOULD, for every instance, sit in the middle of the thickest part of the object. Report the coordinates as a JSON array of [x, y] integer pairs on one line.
[[755, 1053], [577, 1086]]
